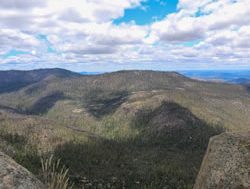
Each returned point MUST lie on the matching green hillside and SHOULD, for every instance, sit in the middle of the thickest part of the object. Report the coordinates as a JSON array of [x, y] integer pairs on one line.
[[128, 129], [14, 80]]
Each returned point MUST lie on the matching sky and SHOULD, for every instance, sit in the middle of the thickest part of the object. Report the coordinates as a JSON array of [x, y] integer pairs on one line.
[[110, 35]]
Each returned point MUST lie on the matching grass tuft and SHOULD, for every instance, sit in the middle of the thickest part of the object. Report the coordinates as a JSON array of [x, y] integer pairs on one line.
[[55, 175]]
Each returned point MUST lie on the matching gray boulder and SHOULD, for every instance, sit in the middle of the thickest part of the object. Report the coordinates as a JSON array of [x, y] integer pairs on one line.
[[14, 176], [226, 164]]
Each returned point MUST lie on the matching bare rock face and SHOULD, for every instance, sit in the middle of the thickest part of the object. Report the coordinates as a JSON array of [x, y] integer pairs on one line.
[[14, 176], [226, 164]]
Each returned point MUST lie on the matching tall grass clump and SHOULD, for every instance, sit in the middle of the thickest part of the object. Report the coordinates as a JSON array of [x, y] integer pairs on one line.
[[55, 175]]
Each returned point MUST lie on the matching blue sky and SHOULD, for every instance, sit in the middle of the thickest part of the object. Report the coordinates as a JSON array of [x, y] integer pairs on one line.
[[148, 12], [104, 35]]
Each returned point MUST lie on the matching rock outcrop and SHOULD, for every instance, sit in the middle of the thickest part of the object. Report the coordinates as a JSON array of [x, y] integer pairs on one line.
[[226, 164], [14, 176]]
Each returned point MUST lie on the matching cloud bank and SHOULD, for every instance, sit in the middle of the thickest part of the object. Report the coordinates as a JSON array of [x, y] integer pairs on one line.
[[81, 35]]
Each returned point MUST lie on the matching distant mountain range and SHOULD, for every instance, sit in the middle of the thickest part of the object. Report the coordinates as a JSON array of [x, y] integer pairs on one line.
[[91, 73], [229, 76]]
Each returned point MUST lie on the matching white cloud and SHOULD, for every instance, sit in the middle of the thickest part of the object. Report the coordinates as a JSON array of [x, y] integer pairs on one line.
[[21, 4], [196, 19], [178, 27], [72, 26], [81, 31], [12, 39], [193, 6]]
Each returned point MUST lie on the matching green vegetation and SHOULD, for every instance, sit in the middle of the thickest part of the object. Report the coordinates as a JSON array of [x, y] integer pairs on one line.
[[149, 159], [24, 153], [136, 163], [16, 80], [135, 129], [101, 103], [54, 175], [42, 105]]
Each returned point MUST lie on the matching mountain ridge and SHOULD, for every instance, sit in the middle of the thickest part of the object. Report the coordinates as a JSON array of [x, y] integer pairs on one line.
[[110, 129], [13, 80]]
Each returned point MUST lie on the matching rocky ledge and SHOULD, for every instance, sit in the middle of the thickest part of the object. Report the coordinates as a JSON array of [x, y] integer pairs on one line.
[[226, 164], [14, 176]]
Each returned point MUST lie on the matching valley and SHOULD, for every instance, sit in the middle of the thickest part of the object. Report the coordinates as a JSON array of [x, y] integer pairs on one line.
[[126, 129]]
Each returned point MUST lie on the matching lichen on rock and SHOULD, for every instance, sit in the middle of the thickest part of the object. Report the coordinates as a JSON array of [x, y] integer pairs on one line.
[[226, 164], [14, 176]]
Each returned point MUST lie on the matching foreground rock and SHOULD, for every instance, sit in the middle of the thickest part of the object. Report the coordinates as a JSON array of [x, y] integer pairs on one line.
[[226, 164], [14, 176]]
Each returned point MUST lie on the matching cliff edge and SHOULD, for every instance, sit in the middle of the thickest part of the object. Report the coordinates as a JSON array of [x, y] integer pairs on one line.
[[226, 164]]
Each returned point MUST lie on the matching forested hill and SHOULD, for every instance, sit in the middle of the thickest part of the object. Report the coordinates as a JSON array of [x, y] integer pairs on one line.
[[127, 129]]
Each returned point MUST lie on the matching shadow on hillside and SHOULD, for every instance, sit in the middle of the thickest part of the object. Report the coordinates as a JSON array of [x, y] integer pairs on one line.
[[167, 152], [169, 158], [100, 103], [9, 109], [13, 86], [42, 105], [248, 88], [177, 123]]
